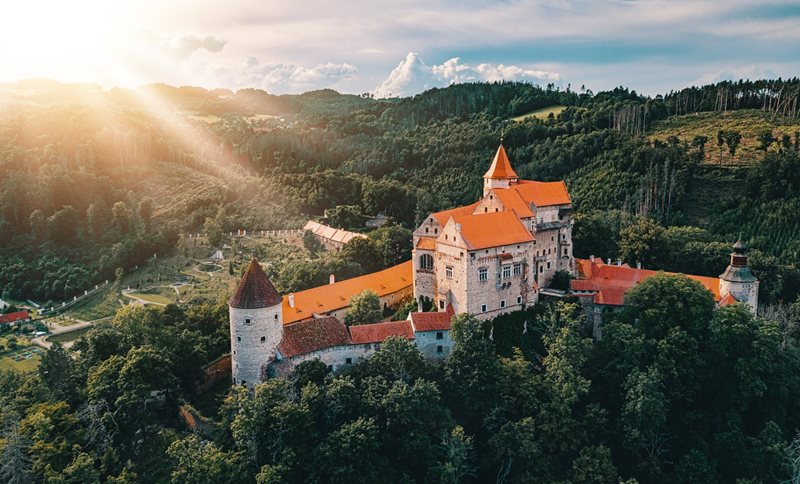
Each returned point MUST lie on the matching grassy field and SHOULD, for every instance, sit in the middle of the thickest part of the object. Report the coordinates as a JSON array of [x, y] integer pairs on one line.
[[67, 337], [541, 113], [750, 123], [23, 359], [102, 304], [152, 298]]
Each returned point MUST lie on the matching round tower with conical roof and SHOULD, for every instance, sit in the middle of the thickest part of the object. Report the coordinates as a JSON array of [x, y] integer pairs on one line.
[[256, 321], [738, 280]]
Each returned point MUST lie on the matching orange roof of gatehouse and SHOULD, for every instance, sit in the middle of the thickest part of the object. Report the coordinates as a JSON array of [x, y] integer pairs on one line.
[[501, 167], [609, 283], [330, 297]]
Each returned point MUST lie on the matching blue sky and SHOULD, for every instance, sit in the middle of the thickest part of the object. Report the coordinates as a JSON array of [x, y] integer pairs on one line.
[[358, 45]]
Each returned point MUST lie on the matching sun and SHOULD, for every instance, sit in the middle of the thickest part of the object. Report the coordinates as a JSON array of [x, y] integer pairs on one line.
[[57, 35]]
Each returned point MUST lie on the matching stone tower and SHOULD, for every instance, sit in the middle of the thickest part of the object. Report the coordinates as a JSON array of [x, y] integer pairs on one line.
[[738, 281], [256, 321], [500, 173]]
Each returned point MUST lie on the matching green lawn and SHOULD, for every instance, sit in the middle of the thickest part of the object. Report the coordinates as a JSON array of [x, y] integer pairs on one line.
[[101, 304], [541, 113], [67, 337], [153, 298], [23, 359]]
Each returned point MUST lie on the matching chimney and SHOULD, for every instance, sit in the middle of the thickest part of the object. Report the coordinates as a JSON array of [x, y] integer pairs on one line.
[[619, 262], [638, 265], [591, 258], [332, 279], [290, 297], [609, 261]]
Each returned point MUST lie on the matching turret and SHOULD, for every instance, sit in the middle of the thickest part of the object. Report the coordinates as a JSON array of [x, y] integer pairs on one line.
[[256, 321], [738, 280], [500, 173]]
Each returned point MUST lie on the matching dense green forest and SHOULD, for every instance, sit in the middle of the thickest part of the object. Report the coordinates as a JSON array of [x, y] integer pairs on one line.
[[95, 181], [696, 395]]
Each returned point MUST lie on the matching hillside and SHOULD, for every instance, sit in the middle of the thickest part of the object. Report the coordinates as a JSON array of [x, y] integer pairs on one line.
[[751, 123]]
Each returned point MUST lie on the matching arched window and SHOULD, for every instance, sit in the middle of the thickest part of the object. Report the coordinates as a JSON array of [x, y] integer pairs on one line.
[[426, 262]]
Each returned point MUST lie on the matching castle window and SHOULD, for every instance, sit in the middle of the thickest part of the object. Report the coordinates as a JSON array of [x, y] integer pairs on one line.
[[548, 264], [519, 299], [244, 383], [506, 271], [441, 305], [565, 251], [483, 274], [348, 361], [483, 308], [541, 269], [439, 335], [276, 317], [552, 238], [517, 268], [238, 338], [263, 338], [247, 321], [491, 197], [440, 349], [502, 303], [448, 272], [426, 230], [426, 262], [496, 209], [485, 209]]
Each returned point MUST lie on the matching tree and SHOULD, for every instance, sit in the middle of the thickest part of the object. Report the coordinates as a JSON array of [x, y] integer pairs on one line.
[[197, 462], [459, 457], [393, 243], [98, 217], [37, 224], [346, 217], [62, 225], [364, 252], [365, 307], [765, 139], [145, 212], [121, 217], [15, 467], [642, 242], [561, 280], [311, 243]]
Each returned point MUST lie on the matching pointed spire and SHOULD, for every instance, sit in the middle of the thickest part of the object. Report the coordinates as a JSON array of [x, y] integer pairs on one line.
[[255, 290], [501, 167]]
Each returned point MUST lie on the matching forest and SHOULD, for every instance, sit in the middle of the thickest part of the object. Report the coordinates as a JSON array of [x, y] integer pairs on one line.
[[94, 182]]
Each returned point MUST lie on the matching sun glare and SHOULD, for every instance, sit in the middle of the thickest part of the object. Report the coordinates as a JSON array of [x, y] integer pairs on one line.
[[59, 36]]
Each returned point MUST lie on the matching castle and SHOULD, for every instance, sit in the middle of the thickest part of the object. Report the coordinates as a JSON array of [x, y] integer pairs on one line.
[[492, 257]]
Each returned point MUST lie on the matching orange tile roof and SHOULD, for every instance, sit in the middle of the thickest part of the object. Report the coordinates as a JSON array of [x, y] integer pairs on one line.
[[379, 332], [727, 300], [512, 200], [492, 229], [443, 216], [611, 282], [439, 321], [335, 296], [426, 243], [542, 194], [315, 334], [501, 167]]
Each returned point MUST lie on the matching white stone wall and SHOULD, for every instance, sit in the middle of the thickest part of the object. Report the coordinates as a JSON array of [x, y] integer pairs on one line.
[[428, 344], [450, 290], [553, 245], [424, 280], [253, 343], [744, 292], [491, 292], [336, 356]]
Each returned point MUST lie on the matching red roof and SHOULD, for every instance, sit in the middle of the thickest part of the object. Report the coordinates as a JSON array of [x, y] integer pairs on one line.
[[255, 290], [501, 167], [492, 229], [443, 216], [14, 317], [727, 300], [611, 282], [543, 194], [379, 332], [312, 335], [439, 321]]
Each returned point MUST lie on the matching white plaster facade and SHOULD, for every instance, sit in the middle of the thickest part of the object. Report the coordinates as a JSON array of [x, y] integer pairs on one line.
[[255, 334]]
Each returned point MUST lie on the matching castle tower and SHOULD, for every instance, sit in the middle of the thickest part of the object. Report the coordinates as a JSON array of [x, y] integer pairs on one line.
[[256, 321], [500, 174], [738, 281]]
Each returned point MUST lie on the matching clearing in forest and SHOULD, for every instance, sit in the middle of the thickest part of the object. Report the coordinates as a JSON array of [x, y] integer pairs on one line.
[[541, 113], [750, 123]]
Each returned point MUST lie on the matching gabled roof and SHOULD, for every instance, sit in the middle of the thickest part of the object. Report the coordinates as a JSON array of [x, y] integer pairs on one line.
[[330, 297], [14, 317], [543, 194], [379, 332], [727, 300], [439, 321], [331, 233], [255, 290], [501, 167], [426, 243], [312, 335], [443, 216], [611, 282], [512, 200], [492, 229]]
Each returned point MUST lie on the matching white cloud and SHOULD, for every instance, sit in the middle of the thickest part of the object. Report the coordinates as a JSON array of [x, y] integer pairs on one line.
[[413, 76], [744, 72], [181, 45], [280, 77]]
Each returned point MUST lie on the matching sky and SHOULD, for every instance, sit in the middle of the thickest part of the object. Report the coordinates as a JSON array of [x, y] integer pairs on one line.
[[400, 47]]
